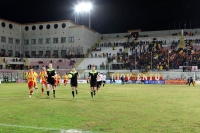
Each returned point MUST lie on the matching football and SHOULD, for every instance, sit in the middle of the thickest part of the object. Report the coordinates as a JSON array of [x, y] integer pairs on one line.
[[69, 76]]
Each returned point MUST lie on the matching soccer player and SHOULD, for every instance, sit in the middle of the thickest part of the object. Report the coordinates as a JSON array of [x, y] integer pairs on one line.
[[43, 79], [73, 81], [35, 80], [93, 75], [50, 80], [99, 81], [103, 79], [30, 78], [87, 79], [58, 80], [65, 78]]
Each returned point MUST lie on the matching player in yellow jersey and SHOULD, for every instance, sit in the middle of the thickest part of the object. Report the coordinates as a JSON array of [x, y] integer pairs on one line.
[[30, 78], [65, 78], [43, 79], [35, 80], [58, 80]]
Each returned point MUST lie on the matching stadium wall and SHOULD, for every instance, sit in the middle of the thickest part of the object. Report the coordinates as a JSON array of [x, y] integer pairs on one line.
[[32, 38], [82, 38], [114, 35], [168, 32], [12, 32], [154, 33]]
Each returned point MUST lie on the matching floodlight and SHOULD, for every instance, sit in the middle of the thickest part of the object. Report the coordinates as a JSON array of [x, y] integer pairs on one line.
[[83, 7], [88, 7]]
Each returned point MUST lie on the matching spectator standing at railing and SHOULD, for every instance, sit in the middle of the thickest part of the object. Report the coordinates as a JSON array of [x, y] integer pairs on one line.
[[122, 79], [191, 81]]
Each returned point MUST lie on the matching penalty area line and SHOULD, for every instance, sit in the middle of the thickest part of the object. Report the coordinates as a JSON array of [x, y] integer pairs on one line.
[[43, 128]]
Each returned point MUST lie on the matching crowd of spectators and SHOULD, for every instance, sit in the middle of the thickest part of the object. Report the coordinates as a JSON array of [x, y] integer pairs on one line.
[[147, 54], [72, 62], [68, 56], [9, 54], [89, 66], [111, 44], [18, 60], [75, 56], [14, 60]]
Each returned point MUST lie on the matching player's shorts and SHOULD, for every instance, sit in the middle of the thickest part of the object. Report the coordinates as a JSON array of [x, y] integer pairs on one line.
[[74, 84], [104, 82], [99, 83], [65, 81], [44, 83], [58, 82], [93, 84], [35, 84], [51, 82], [31, 84]]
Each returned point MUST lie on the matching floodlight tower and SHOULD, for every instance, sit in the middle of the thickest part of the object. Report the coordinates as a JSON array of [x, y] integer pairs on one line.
[[83, 7]]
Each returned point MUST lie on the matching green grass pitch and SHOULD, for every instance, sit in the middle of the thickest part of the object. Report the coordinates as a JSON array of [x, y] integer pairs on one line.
[[116, 109]]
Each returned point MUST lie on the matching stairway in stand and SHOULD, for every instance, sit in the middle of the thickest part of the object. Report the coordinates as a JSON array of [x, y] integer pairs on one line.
[[94, 46], [3, 63]]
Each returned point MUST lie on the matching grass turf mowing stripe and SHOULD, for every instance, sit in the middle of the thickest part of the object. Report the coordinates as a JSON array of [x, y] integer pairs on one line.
[[45, 128]]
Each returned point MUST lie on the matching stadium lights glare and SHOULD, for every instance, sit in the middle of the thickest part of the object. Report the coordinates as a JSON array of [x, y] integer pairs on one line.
[[85, 7]]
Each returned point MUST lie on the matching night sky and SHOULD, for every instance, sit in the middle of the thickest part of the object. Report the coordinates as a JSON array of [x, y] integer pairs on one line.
[[108, 16]]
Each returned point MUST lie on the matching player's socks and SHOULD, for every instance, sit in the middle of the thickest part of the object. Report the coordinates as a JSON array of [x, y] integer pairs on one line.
[[73, 93], [103, 85], [48, 93], [31, 92], [54, 93], [92, 94], [76, 91], [42, 90]]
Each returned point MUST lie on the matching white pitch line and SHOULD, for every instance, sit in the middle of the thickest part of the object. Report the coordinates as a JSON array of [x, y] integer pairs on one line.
[[44, 128]]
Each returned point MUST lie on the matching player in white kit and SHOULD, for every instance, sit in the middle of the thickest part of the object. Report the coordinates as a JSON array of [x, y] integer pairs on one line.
[[99, 81], [103, 79]]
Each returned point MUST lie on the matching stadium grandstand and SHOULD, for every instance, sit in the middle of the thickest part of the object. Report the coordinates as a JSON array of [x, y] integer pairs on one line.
[[65, 44]]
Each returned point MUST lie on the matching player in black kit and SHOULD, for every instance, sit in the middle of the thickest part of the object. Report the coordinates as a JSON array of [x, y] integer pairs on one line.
[[74, 82], [93, 75], [50, 80]]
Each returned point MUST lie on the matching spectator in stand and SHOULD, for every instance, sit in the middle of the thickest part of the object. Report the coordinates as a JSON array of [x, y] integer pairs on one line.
[[122, 79], [111, 80]]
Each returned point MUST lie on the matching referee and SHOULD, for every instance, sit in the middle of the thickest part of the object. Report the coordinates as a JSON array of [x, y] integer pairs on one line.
[[93, 74], [73, 81], [50, 80]]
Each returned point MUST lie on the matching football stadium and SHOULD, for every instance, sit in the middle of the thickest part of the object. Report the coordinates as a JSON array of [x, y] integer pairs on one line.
[[64, 77]]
